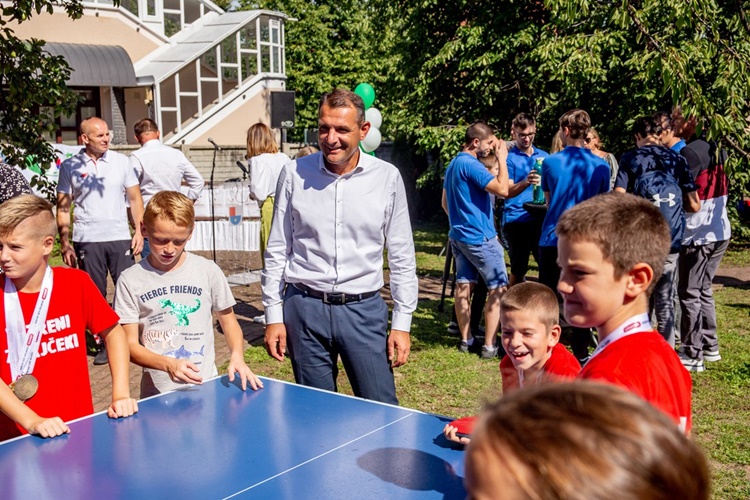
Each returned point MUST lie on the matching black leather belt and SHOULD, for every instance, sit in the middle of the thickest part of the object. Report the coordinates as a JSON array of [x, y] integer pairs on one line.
[[335, 299]]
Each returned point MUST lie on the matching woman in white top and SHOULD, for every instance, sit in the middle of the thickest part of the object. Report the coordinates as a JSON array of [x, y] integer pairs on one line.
[[265, 163]]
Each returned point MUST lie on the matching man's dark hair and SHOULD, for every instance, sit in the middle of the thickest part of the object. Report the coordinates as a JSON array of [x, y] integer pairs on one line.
[[645, 126], [661, 116], [478, 130], [145, 125], [523, 121], [340, 98]]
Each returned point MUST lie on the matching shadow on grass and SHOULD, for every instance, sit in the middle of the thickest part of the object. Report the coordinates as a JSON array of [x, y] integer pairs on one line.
[[731, 281], [429, 326], [252, 332]]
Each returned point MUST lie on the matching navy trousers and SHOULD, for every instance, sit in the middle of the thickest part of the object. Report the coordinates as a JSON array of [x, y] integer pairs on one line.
[[317, 333]]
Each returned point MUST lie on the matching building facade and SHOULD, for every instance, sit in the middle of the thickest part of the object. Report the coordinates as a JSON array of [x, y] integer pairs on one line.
[[197, 70]]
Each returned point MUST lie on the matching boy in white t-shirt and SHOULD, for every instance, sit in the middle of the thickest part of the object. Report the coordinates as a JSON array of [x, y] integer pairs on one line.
[[166, 303]]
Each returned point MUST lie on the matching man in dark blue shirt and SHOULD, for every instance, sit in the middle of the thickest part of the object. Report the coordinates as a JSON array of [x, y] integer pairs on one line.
[[522, 229], [635, 166]]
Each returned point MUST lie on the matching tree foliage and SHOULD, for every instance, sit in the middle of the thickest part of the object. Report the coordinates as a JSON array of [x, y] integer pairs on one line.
[[30, 78], [327, 46], [458, 61]]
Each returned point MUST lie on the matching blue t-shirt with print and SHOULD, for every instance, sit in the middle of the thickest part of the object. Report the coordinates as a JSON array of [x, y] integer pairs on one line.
[[519, 166], [571, 176], [469, 205]]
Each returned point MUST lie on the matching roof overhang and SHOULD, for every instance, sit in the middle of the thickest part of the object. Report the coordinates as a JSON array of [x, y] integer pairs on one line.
[[95, 65]]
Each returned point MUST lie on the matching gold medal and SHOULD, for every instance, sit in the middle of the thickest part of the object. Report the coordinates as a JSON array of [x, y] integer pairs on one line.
[[25, 387]]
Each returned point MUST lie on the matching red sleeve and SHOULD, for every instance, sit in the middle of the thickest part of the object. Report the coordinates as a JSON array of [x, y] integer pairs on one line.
[[509, 375], [465, 425], [98, 313], [562, 364]]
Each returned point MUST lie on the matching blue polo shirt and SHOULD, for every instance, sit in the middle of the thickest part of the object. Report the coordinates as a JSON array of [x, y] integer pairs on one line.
[[519, 166], [571, 176], [469, 205], [678, 146]]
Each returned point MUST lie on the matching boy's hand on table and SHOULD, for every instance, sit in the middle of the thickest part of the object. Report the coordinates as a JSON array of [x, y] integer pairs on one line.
[[48, 427], [238, 365], [451, 434], [182, 370], [121, 408]]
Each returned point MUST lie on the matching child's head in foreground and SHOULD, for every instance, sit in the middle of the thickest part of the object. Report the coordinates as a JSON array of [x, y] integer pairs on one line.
[[581, 440], [611, 253], [529, 316], [168, 223], [27, 235]]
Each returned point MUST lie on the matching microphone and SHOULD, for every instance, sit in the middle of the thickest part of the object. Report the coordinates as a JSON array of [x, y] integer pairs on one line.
[[214, 144], [242, 167]]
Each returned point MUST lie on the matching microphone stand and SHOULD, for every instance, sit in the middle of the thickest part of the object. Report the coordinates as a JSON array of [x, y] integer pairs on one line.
[[213, 215]]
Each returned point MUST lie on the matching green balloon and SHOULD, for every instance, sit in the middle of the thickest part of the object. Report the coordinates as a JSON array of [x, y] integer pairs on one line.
[[367, 93]]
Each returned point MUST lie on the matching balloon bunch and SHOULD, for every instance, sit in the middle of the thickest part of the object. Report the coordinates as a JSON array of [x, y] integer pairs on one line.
[[373, 138]]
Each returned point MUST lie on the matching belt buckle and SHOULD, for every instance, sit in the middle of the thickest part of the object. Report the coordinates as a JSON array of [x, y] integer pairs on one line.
[[336, 299]]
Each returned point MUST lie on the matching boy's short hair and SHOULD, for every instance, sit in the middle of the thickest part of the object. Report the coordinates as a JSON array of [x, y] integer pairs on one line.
[[16, 210], [171, 206], [523, 121], [532, 298], [578, 123], [646, 125], [589, 440], [477, 130], [627, 230]]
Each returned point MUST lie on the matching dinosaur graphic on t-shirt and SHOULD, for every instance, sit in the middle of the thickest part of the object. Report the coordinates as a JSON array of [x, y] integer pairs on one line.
[[181, 311]]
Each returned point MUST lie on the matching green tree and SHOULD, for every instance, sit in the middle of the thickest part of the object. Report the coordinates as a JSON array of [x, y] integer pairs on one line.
[[328, 45], [30, 78], [457, 61]]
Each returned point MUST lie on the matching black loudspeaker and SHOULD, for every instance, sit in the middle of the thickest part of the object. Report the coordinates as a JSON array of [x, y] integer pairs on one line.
[[282, 109]]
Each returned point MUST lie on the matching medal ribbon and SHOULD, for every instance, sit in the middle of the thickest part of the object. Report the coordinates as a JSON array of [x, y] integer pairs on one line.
[[23, 345], [636, 324]]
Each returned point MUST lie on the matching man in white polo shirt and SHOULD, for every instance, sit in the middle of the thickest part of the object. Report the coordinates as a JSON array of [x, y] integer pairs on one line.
[[98, 181]]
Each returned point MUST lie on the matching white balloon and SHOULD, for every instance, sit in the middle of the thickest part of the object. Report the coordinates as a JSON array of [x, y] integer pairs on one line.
[[372, 140], [373, 116]]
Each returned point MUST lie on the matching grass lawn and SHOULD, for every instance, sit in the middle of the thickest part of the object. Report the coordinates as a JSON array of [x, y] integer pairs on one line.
[[439, 379]]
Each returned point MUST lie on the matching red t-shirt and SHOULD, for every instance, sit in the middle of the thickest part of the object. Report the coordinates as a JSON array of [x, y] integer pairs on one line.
[[560, 365], [61, 367], [645, 364]]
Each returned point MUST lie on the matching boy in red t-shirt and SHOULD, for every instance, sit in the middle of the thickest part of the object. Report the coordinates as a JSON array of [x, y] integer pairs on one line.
[[42, 330], [611, 251], [530, 335]]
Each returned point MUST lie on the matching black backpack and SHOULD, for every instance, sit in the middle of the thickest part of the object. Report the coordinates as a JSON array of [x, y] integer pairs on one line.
[[661, 189]]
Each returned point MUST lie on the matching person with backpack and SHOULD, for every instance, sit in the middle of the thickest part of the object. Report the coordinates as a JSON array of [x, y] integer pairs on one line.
[[661, 176], [704, 243]]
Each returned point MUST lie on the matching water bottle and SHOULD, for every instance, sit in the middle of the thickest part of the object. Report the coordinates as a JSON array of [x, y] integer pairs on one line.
[[538, 193]]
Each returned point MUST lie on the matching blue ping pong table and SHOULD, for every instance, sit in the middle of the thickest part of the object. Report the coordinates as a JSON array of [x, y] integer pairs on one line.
[[215, 441]]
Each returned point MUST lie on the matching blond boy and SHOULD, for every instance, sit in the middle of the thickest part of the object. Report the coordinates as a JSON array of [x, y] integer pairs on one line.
[[166, 304], [46, 314]]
